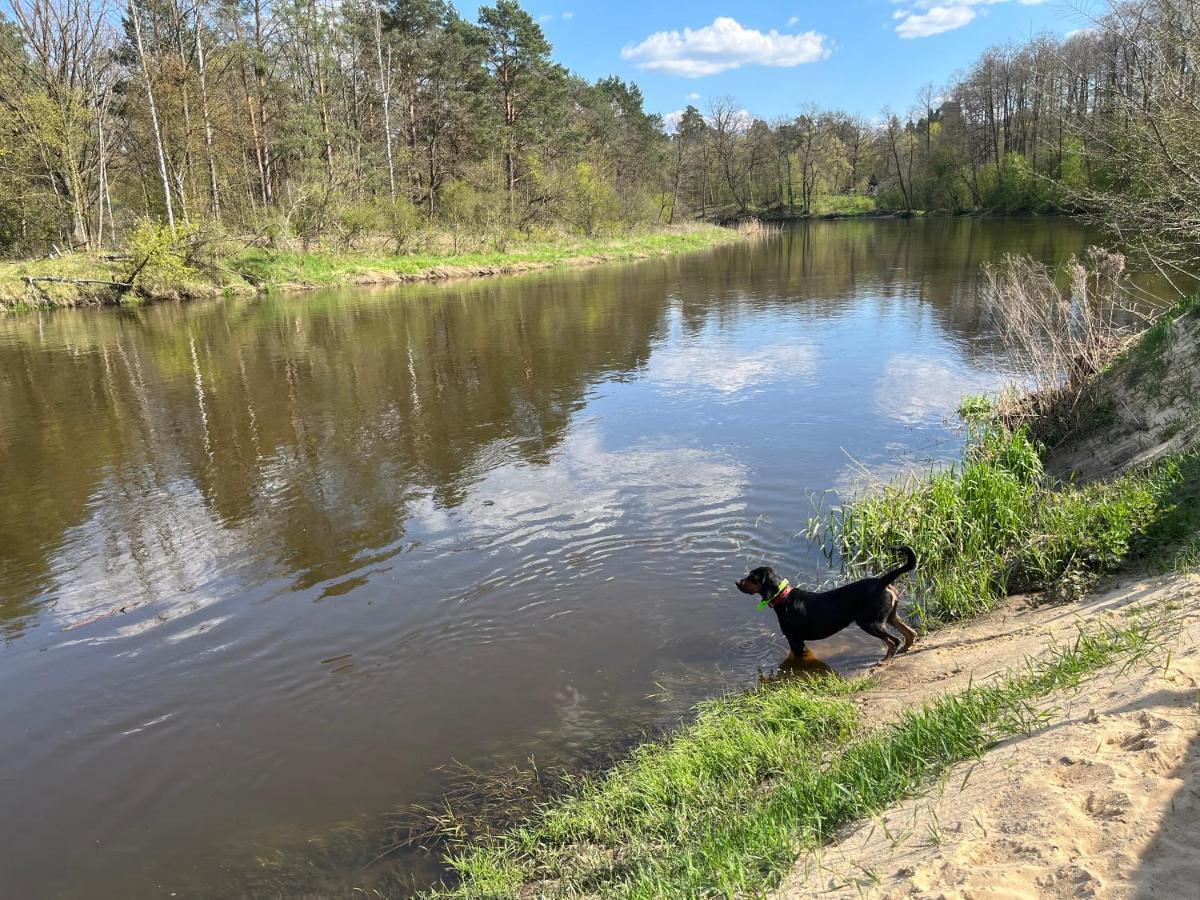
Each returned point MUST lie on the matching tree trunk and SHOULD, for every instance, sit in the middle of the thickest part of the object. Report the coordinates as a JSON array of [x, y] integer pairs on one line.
[[214, 193], [158, 142], [385, 89]]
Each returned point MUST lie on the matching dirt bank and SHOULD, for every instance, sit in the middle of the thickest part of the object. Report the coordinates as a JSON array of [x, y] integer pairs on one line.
[[1146, 407], [1102, 802]]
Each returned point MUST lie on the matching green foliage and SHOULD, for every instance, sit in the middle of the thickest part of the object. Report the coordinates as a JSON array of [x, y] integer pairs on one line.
[[159, 255], [359, 219], [400, 220], [994, 525], [281, 267], [724, 806], [591, 200], [842, 205], [976, 408], [1073, 170]]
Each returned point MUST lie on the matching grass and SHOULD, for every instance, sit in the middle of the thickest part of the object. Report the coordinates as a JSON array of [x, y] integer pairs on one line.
[[328, 267], [842, 205], [276, 269], [1148, 356], [995, 525], [725, 806]]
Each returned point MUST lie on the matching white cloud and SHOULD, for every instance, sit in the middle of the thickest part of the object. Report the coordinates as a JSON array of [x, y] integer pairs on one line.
[[725, 44], [1076, 32], [918, 389], [568, 15], [694, 95], [935, 21], [589, 488], [925, 18], [794, 20], [544, 18], [671, 121]]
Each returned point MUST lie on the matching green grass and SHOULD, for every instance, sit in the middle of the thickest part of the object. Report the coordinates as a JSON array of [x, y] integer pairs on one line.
[[726, 805], [274, 269], [995, 525], [842, 205], [1147, 357]]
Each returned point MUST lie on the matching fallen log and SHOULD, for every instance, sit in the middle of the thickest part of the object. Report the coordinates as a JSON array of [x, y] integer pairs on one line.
[[59, 279]]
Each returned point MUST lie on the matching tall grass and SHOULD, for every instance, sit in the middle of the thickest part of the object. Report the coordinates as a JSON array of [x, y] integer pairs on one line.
[[725, 806], [1060, 339], [995, 525]]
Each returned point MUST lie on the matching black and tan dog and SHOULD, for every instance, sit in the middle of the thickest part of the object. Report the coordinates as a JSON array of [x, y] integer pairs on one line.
[[814, 615]]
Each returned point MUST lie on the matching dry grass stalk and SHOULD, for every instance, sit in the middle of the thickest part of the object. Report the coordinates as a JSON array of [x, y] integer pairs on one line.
[[757, 227], [1059, 340]]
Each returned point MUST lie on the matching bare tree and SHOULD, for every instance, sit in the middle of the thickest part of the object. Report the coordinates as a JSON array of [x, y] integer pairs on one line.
[[728, 126], [135, 17]]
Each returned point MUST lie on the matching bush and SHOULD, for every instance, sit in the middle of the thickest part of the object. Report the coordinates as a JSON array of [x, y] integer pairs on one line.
[[993, 525], [358, 220], [160, 256]]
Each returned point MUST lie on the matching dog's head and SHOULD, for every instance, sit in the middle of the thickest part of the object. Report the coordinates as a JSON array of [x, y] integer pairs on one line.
[[762, 581]]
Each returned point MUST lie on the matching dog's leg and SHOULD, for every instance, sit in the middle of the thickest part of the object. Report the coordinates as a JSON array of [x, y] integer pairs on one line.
[[877, 630], [910, 633], [899, 624]]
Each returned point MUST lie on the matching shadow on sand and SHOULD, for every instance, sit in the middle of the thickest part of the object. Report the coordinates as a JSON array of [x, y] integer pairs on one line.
[[1170, 866]]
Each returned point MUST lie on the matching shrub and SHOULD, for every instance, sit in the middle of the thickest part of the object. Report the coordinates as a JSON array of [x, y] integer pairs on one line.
[[160, 255], [994, 525]]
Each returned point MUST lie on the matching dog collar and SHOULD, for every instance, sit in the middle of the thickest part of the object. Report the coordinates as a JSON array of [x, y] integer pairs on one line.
[[780, 595]]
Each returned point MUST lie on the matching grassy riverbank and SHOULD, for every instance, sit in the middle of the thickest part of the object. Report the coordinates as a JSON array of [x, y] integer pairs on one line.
[[95, 279], [727, 803]]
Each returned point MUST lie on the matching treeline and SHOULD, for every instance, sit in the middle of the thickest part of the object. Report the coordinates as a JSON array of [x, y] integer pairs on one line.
[[307, 120], [323, 123], [1100, 120]]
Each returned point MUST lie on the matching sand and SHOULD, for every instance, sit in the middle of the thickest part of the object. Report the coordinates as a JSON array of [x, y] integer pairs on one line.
[[1104, 801]]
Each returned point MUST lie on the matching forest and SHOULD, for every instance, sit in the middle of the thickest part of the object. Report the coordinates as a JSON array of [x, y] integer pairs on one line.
[[314, 124]]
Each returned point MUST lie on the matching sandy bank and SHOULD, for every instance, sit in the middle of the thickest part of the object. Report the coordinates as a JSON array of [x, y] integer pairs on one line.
[[1102, 802]]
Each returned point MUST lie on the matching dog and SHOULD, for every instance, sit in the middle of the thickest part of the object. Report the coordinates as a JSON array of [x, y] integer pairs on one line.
[[872, 603]]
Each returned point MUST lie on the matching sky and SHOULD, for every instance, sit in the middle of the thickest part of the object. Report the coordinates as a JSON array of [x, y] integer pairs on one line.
[[776, 57]]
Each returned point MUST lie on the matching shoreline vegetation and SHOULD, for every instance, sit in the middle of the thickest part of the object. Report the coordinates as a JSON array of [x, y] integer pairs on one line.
[[393, 124], [165, 271], [729, 802], [726, 805]]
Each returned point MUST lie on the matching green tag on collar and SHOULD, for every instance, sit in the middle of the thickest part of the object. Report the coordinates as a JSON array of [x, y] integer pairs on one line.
[[783, 586]]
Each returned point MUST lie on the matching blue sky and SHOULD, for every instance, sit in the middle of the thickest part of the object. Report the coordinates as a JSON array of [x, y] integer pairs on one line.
[[856, 55]]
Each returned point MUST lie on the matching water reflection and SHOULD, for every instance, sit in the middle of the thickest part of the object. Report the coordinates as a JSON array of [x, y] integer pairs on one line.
[[265, 566]]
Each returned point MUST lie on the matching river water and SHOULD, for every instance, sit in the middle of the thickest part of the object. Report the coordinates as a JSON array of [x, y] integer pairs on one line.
[[268, 567]]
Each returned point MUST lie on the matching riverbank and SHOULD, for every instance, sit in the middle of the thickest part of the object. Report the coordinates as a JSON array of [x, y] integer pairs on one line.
[[1099, 799], [103, 279], [751, 794]]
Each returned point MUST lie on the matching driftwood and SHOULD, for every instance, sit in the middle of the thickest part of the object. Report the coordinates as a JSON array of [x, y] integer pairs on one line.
[[58, 279]]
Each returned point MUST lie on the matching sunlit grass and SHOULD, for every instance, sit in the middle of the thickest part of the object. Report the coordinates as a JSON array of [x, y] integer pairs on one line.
[[269, 269], [995, 525], [842, 205], [273, 267], [725, 806]]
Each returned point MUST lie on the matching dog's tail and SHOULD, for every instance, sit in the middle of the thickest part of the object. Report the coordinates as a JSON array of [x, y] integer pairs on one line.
[[910, 563]]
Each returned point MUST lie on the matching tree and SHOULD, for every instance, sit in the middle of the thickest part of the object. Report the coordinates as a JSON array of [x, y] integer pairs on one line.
[[517, 55]]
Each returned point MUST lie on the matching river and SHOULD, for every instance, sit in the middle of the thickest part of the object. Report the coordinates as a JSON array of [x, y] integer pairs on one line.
[[268, 567]]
